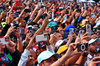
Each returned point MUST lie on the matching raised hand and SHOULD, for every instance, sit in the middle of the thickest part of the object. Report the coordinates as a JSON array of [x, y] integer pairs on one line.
[[94, 61], [17, 33], [11, 46], [40, 12], [10, 30], [70, 51]]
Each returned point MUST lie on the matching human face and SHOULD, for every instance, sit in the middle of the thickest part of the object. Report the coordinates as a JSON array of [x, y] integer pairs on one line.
[[43, 49], [87, 17], [30, 61], [49, 61], [92, 47], [61, 31], [58, 37]]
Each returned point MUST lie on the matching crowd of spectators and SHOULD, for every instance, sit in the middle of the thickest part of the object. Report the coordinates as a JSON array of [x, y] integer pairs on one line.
[[49, 33]]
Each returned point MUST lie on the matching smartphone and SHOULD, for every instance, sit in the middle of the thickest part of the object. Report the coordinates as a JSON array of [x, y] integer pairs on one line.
[[15, 23], [71, 30], [93, 15], [41, 37], [80, 32], [44, 15], [65, 17], [30, 30], [53, 29], [88, 29], [47, 9], [27, 10], [4, 40], [21, 30], [42, 6], [82, 47]]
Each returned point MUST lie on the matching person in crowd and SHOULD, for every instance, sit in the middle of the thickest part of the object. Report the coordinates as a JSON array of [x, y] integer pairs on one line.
[[37, 31]]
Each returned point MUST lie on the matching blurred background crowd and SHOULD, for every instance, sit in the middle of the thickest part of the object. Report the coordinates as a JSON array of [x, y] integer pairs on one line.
[[49, 33]]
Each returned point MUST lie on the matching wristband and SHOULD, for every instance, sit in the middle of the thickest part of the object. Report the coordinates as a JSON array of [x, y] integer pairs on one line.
[[84, 55], [18, 40], [60, 62]]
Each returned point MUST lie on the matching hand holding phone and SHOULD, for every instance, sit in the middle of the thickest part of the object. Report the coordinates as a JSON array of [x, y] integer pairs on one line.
[[71, 30], [80, 32], [88, 29], [27, 10], [15, 23], [4, 40], [41, 38]]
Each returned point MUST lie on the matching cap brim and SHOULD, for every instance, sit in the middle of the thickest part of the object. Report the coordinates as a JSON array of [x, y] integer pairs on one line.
[[56, 55], [92, 40]]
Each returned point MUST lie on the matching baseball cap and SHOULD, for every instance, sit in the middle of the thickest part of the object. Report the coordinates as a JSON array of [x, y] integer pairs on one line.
[[58, 43], [68, 28], [98, 33], [41, 44], [62, 49], [92, 40], [35, 48], [46, 55], [98, 40], [98, 49]]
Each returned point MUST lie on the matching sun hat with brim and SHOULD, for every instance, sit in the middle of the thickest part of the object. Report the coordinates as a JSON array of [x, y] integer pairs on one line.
[[92, 40], [46, 55], [62, 49]]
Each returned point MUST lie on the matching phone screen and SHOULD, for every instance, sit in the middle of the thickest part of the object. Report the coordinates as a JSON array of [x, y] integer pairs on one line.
[[41, 38], [71, 30], [88, 29], [80, 32], [4, 40]]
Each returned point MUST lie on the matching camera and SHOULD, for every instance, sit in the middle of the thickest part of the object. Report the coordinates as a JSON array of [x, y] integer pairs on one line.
[[15, 23], [82, 47]]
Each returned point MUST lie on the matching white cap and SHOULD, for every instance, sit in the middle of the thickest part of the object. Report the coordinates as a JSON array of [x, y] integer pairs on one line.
[[92, 40], [46, 55], [58, 43]]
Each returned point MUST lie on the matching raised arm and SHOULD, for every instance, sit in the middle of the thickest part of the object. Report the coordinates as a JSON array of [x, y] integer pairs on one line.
[[17, 19], [40, 12], [67, 55]]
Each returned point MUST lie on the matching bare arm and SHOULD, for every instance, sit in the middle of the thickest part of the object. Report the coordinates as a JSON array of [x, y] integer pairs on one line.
[[67, 55], [41, 11], [17, 19]]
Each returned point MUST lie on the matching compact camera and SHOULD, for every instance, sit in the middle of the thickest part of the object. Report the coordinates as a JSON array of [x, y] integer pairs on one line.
[[82, 47]]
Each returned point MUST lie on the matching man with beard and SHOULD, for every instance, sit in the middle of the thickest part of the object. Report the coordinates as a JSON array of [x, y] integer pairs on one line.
[[91, 50]]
